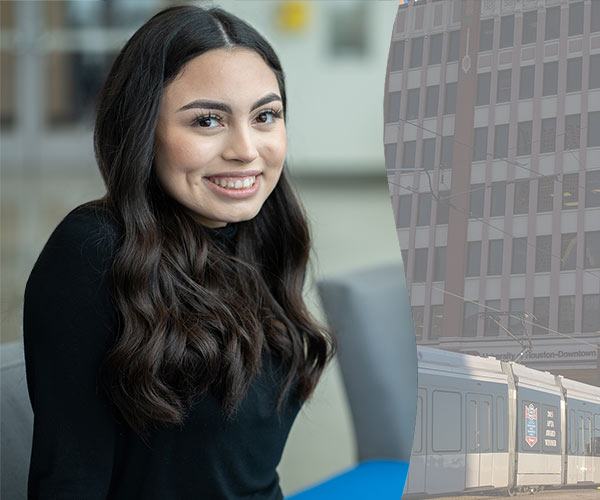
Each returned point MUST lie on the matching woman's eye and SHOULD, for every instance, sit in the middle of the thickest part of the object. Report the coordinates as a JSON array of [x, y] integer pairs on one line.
[[267, 116], [207, 121]]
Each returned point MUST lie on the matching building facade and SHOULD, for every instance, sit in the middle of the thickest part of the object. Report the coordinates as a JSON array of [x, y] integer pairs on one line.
[[492, 145]]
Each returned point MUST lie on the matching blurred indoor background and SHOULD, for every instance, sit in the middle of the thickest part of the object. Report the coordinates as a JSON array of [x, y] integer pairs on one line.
[[54, 56]]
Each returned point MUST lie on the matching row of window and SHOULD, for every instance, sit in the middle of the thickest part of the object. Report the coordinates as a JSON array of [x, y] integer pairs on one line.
[[524, 143], [416, 56], [529, 31], [590, 317], [518, 264], [526, 90], [569, 198]]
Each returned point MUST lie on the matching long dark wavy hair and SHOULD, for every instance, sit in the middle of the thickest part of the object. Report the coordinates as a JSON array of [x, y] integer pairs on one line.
[[194, 317]]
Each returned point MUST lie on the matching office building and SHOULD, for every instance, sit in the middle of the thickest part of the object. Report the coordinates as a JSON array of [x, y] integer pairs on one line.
[[492, 145]]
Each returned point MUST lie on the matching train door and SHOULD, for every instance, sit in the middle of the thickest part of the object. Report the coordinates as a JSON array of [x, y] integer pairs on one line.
[[416, 473], [584, 449], [478, 466]]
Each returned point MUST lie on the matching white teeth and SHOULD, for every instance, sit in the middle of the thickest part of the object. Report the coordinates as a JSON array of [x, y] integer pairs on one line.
[[238, 184]]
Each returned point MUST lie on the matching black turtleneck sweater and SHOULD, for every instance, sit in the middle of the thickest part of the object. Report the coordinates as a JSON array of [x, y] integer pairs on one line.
[[82, 449]]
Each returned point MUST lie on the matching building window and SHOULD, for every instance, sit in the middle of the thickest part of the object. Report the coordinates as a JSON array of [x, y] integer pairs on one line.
[[595, 17], [572, 131], [550, 83], [548, 135], [501, 141], [592, 250], [418, 320], [568, 251], [526, 82], [397, 56], [480, 144], [507, 31], [416, 52], [420, 268], [435, 48], [408, 154], [592, 189], [389, 152], [593, 137], [518, 263], [471, 314], [594, 78], [447, 151], [439, 264], [393, 110], [503, 91], [437, 321], [428, 156], [591, 313], [483, 89], [404, 210], [524, 134], [450, 99], [404, 255], [552, 23], [412, 105], [431, 101], [543, 253], [576, 18], [453, 45], [574, 68], [498, 201], [521, 200], [490, 327], [473, 258], [424, 210], [529, 27], [476, 201], [570, 191], [442, 208], [566, 314], [486, 35], [541, 311], [495, 257], [545, 201], [516, 308]]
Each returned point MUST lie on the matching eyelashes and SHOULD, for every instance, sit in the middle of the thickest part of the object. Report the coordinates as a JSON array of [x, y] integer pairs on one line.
[[211, 120]]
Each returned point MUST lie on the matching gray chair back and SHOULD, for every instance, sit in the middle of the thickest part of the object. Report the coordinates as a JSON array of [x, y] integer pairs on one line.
[[369, 313], [16, 422]]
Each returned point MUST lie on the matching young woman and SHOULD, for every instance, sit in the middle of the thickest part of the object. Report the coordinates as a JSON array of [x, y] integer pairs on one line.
[[167, 343]]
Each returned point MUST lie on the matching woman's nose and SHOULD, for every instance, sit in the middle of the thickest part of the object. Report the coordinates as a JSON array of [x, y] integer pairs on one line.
[[241, 145]]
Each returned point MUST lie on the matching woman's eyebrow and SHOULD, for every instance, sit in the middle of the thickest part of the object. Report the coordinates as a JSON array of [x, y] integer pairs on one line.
[[221, 106]]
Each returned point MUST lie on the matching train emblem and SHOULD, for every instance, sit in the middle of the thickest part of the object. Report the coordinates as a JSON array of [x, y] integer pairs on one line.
[[531, 425]]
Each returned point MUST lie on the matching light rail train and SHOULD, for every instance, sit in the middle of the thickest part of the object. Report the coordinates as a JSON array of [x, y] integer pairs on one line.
[[487, 424]]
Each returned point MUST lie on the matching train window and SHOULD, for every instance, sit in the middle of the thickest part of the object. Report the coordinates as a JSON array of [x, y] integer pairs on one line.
[[418, 440], [572, 433], [500, 424], [551, 429], [596, 442], [447, 421], [587, 436]]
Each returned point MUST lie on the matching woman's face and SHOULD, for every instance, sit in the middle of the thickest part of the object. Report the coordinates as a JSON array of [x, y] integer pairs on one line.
[[220, 136]]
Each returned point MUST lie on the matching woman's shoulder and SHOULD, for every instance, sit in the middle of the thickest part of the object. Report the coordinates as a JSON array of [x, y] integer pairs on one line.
[[86, 237]]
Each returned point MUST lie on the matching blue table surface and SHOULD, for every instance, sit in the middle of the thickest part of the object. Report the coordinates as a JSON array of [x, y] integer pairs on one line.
[[372, 480]]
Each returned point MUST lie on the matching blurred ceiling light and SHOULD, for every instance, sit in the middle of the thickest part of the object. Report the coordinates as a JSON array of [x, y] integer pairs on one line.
[[292, 17]]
